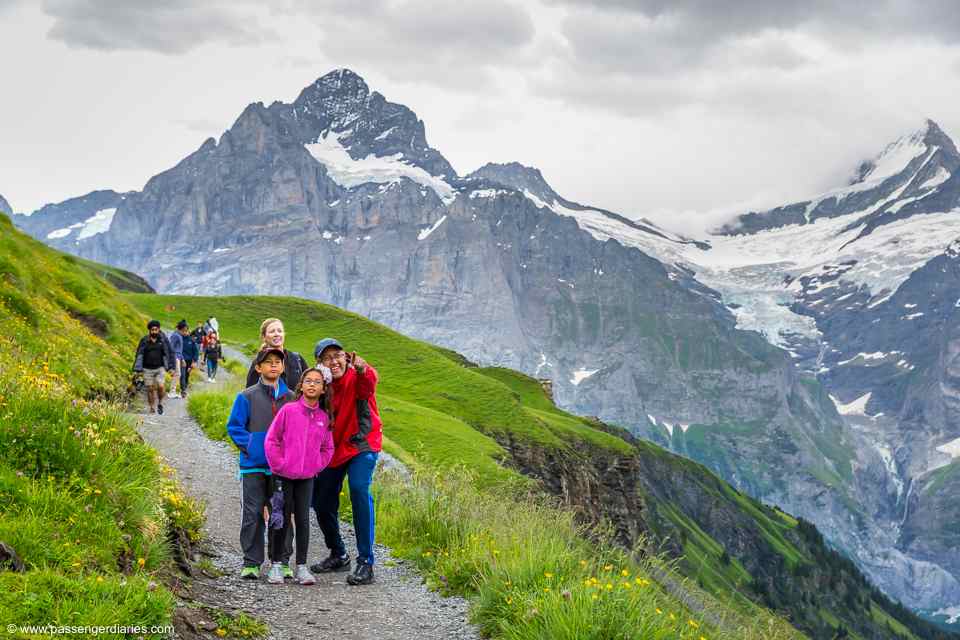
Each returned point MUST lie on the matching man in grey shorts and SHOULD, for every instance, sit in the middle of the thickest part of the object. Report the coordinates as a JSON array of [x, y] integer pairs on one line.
[[154, 358]]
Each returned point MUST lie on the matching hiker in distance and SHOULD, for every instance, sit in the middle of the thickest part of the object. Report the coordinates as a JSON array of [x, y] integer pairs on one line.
[[176, 344], [357, 435], [154, 358], [189, 353], [272, 337]]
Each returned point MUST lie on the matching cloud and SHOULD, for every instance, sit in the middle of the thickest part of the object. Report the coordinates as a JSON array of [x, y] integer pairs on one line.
[[172, 27], [453, 45]]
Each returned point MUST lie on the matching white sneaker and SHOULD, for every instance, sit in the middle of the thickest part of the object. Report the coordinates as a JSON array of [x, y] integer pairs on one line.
[[276, 574], [209, 379], [173, 395], [304, 576]]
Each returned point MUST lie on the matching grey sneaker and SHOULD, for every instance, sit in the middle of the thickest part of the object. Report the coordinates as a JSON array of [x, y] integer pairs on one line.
[[276, 574], [304, 576]]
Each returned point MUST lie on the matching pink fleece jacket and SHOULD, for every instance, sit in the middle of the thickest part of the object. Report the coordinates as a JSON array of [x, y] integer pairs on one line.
[[299, 441]]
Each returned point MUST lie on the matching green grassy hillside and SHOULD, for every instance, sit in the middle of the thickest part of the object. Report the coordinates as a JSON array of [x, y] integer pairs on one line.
[[443, 412], [84, 503]]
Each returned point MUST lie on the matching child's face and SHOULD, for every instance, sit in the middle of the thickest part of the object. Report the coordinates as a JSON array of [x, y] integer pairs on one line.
[[271, 368], [273, 336], [312, 386]]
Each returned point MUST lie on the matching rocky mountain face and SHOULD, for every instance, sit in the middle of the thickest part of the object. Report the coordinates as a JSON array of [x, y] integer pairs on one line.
[[860, 286], [338, 197], [5, 207]]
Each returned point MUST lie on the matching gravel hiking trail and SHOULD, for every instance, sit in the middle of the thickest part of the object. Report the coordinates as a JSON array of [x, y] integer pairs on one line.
[[397, 606]]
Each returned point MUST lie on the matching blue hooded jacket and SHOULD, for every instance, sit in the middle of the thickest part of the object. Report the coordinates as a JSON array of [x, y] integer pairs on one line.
[[253, 411]]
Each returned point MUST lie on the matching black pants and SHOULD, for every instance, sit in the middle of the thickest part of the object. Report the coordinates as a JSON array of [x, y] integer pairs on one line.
[[255, 492], [296, 508], [185, 367]]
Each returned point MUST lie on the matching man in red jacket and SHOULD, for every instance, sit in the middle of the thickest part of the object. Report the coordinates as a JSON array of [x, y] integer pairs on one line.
[[357, 435]]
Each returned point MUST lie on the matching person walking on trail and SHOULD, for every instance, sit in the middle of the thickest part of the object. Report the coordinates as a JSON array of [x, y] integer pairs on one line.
[[176, 343], [199, 337], [299, 445], [154, 358], [212, 355], [272, 336], [189, 354], [253, 410], [357, 435]]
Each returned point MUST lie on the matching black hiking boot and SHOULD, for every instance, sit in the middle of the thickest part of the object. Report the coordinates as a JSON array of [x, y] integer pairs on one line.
[[332, 563], [363, 574], [160, 409]]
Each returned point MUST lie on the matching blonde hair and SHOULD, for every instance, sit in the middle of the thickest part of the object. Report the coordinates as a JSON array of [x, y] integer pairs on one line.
[[263, 330]]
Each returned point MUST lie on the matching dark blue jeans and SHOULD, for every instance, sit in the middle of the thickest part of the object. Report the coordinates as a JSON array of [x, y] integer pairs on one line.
[[326, 504]]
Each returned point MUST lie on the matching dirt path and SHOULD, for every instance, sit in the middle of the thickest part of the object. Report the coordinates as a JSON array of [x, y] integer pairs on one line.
[[397, 606]]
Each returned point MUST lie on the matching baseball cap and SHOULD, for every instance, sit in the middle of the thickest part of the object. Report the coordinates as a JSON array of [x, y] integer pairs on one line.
[[262, 355], [325, 344]]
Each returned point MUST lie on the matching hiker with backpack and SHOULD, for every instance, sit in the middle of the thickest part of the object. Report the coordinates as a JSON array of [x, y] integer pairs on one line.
[[272, 336], [357, 435], [298, 446], [153, 359], [253, 411]]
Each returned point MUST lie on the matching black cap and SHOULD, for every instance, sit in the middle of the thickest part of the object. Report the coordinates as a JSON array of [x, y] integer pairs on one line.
[[266, 352]]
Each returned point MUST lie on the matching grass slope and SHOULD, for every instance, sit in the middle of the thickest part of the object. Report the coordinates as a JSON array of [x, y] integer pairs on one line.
[[83, 502]]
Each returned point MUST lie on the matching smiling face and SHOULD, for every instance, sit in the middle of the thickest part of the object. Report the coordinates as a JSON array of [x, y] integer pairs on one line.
[[334, 359], [312, 386], [273, 335]]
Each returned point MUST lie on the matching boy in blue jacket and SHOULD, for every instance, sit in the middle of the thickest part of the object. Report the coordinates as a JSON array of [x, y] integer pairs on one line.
[[253, 411]]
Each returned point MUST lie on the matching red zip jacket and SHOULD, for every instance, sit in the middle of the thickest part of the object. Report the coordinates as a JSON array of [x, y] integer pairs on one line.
[[357, 427]]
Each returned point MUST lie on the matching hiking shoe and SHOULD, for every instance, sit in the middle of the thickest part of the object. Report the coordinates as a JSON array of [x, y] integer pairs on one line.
[[250, 573], [160, 409], [287, 571], [304, 576], [332, 563], [173, 395], [276, 574], [362, 575]]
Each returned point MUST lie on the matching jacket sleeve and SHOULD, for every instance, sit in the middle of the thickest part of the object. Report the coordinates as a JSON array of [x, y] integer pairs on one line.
[[237, 422], [138, 358], [252, 376], [326, 445], [168, 356], [367, 383], [273, 445]]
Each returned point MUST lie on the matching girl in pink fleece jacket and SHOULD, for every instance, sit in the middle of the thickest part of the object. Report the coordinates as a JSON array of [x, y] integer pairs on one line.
[[299, 445]]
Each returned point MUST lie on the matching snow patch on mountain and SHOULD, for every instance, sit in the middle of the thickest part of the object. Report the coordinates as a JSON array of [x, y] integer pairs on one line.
[[423, 235], [581, 374], [951, 448], [941, 176], [349, 172], [857, 407], [97, 223]]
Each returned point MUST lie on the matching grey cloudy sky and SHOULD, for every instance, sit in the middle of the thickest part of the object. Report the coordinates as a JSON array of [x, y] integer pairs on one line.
[[680, 110]]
